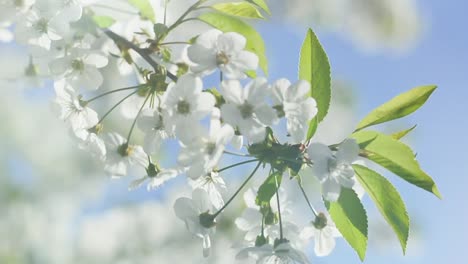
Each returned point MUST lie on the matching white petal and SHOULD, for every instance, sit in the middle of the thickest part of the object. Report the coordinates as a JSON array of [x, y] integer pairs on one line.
[[204, 104], [257, 90], [97, 60], [209, 39], [232, 91], [184, 208], [331, 190], [324, 243], [265, 114], [320, 154], [348, 151], [246, 60], [201, 200], [231, 41]]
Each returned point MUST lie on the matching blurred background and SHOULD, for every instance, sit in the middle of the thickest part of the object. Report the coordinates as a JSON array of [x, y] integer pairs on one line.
[[57, 205]]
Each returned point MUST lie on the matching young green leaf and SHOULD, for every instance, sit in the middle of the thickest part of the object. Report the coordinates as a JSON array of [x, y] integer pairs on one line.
[[388, 201], [228, 23], [262, 4], [400, 106], [401, 134], [268, 189], [396, 157], [350, 218], [315, 68], [240, 9], [145, 8], [103, 21]]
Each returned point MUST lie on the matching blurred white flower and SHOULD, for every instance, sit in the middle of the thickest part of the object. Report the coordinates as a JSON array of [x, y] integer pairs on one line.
[[295, 104], [246, 109], [334, 170], [196, 215], [215, 49], [44, 23]]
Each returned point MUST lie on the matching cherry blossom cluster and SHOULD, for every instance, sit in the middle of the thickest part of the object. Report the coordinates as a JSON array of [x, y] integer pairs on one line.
[[170, 103]]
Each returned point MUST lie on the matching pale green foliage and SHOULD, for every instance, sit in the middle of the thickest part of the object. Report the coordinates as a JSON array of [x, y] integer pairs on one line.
[[240, 9], [388, 201], [262, 4], [314, 67], [228, 23], [350, 218], [400, 106], [396, 157], [145, 9], [401, 134], [268, 189], [103, 21]]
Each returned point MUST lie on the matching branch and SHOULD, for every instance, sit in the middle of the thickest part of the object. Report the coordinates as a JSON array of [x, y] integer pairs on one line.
[[142, 52]]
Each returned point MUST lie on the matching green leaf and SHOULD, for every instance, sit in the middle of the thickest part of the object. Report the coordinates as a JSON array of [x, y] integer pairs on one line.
[[400, 106], [350, 218], [262, 4], [388, 201], [268, 189], [160, 30], [396, 157], [314, 67], [228, 23], [145, 8], [240, 9], [103, 21], [401, 134]]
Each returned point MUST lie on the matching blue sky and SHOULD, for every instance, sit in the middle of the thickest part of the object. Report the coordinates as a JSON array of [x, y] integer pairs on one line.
[[441, 58]]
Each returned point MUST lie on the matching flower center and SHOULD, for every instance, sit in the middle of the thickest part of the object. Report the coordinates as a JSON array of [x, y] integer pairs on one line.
[[207, 220], [320, 221], [31, 70], [210, 148], [77, 65], [246, 110], [42, 25], [159, 124], [125, 150], [183, 107], [222, 58]]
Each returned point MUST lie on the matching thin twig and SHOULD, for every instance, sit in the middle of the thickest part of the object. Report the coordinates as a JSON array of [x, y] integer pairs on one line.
[[142, 52]]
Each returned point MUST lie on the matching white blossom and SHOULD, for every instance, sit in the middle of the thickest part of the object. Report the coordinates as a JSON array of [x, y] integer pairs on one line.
[[121, 155], [246, 109], [80, 68], [214, 186], [156, 177], [195, 213], [283, 253], [152, 123], [223, 50], [295, 104], [73, 108], [324, 232], [203, 152], [185, 103], [334, 170], [44, 23]]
